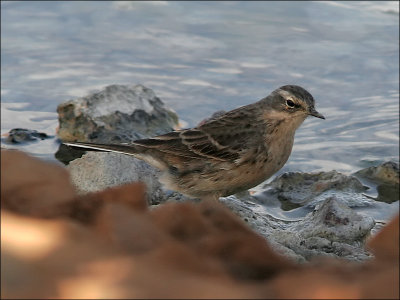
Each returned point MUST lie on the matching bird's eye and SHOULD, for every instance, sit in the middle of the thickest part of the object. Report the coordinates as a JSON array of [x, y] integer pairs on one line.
[[290, 103]]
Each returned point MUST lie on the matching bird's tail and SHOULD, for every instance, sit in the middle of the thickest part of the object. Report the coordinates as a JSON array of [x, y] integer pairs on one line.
[[133, 149], [124, 149]]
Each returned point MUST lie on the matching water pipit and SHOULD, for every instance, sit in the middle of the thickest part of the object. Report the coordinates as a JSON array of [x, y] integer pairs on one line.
[[227, 154]]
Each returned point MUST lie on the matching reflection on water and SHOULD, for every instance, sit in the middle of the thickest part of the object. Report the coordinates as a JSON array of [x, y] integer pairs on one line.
[[203, 57]]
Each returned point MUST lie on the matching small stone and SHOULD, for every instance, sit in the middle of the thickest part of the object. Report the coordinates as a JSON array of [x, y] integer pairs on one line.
[[21, 135]]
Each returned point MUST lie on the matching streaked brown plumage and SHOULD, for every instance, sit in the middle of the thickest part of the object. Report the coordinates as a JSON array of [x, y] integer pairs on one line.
[[231, 153]]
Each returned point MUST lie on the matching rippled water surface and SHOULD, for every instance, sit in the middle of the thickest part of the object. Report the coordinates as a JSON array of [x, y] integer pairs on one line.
[[200, 57]]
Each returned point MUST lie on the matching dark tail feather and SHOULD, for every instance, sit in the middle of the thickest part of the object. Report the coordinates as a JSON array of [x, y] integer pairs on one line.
[[125, 149]]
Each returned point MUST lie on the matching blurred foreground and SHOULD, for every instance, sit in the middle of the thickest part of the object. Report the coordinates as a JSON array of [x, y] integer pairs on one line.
[[109, 244]]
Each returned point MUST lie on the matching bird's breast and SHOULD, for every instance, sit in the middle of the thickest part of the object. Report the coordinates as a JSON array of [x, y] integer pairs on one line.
[[279, 148]]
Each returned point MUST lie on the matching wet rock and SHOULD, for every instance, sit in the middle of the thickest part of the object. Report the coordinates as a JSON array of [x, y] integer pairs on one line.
[[386, 179], [67, 154], [332, 229], [272, 229], [387, 172], [335, 221], [254, 214], [388, 193], [96, 171], [21, 135], [295, 189], [119, 113]]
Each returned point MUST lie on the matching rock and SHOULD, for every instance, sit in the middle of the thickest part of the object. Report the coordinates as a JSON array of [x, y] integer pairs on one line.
[[385, 244], [96, 171], [255, 215], [67, 154], [335, 221], [212, 230], [295, 189], [20, 135], [30, 186], [261, 222], [386, 179], [73, 260], [110, 245], [49, 245], [331, 279], [119, 113], [332, 229], [87, 208], [387, 172], [388, 193]]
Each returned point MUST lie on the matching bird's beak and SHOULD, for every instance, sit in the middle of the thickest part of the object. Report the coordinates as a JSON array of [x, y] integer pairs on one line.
[[314, 113]]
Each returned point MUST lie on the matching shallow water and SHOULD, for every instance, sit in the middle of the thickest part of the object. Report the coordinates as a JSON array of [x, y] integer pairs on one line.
[[200, 57]]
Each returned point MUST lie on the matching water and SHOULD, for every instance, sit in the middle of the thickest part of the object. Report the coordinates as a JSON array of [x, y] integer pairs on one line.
[[200, 57]]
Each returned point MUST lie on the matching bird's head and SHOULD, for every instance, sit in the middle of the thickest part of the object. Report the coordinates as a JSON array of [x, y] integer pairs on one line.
[[293, 101]]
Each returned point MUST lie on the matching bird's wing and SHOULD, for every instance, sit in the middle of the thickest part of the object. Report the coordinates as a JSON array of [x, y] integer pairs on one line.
[[190, 143], [221, 139]]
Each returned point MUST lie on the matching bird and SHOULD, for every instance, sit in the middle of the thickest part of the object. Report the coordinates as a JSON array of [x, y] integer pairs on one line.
[[226, 154]]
